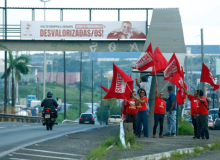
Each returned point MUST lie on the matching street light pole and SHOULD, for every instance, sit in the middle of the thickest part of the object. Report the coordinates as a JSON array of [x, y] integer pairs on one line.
[[101, 98], [44, 75], [92, 86], [202, 51], [5, 88]]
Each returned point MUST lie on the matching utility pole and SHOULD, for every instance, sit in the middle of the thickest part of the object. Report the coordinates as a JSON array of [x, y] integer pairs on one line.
[[5, 87], [202, 51], [64, 68], [92, 86], [101, 98], [80, 92]]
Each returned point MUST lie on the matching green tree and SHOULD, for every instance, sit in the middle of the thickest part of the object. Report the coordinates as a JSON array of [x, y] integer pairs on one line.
[[17, 66]]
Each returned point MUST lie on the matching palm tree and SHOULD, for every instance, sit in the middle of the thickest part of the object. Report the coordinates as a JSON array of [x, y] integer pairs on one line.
[[17, 66]]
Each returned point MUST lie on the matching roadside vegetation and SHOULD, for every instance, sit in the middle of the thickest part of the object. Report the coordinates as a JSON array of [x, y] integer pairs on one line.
[[104, 148], [109, 107], [185, 128], [197, 150], [72, 97]]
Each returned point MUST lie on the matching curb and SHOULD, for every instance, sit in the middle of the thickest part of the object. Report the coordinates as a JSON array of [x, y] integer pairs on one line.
[[164, 154]]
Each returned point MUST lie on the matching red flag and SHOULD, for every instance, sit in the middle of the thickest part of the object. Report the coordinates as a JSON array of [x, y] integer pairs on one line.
[[146, 60], [105, 89], [122, 85], [160, 62], [180, 96], [206, 76], [173, 66], [178, 80]]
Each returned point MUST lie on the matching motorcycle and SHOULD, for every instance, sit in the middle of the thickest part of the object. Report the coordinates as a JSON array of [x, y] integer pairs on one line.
[[49, 116]]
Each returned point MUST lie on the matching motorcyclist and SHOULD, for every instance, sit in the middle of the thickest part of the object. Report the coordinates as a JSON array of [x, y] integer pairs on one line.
[[51, 103]]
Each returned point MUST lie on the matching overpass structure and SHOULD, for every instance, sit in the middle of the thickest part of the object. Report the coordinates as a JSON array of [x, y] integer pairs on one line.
[[165, 31]]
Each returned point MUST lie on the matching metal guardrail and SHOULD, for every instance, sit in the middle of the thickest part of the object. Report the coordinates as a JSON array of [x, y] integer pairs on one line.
[[19, 118]]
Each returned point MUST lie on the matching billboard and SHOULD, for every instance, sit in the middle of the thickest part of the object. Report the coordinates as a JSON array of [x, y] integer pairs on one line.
[[45, 30]]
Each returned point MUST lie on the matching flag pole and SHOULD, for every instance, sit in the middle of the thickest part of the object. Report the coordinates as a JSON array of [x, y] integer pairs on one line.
[[130, 89], [155, 74], [165, 86]]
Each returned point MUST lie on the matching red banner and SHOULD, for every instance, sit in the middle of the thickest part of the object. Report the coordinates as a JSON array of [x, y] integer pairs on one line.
[[160, 62], [206, 76], [122, 85], [173, 66], [178, 80], [146, 60], [105, 89]]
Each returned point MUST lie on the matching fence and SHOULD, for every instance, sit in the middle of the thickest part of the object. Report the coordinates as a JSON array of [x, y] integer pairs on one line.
[[19, 118]]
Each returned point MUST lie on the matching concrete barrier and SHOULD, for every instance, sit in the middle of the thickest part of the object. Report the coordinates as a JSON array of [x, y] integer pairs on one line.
[[19, 118]]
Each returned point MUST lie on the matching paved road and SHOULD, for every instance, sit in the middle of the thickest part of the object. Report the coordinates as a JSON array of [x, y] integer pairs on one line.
[[95, 106], [19, 135]]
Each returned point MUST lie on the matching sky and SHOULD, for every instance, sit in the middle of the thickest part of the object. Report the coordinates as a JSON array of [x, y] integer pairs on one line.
[[195, 14]]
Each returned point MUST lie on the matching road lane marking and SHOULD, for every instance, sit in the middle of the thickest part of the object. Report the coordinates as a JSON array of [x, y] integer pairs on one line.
[[51, 152], [4, 153], [2, 127], [25, 125], [18, 159], [34, 155]]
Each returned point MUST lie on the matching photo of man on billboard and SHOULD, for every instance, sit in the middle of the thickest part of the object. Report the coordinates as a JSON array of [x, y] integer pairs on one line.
[[126, 32]]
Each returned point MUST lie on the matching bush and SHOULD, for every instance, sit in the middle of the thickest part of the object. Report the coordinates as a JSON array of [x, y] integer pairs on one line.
[[185, 128]]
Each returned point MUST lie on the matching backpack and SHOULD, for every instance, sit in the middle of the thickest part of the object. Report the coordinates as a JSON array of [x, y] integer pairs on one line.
[[208, 103]]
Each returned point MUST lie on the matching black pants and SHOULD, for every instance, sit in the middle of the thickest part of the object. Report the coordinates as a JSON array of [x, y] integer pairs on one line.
[[194, 122], [132, 119], [202, 124], [158, 118]]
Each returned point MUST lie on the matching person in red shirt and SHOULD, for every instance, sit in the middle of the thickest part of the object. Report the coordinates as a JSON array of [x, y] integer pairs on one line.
[[202, 115], [142, 117], [124, 108], [194, 104], [131, 110], [159, 112]]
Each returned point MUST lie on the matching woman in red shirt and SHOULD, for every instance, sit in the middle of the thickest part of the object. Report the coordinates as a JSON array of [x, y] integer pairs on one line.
[[202, 116], [159, 112], [142, 117], [131, 111]]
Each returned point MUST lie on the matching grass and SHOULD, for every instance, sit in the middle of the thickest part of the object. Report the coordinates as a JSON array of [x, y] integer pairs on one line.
[[72, 93], [102, 151], [72, 96], [197, 150], [215, 145], [185, 128]]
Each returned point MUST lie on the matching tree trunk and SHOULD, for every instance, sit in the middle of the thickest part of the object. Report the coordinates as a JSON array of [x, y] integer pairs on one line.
[[13, 92], [16, 91]]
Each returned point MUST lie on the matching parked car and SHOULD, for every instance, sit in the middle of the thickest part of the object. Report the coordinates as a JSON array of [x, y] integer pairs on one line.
[[210, 122], [217, 123], [214, 113], [114, 119], [87, 118]]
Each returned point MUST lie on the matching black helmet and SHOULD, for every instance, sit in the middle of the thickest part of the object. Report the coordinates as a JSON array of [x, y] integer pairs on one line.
[[49, 94]]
